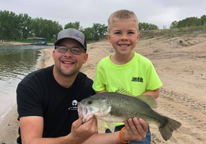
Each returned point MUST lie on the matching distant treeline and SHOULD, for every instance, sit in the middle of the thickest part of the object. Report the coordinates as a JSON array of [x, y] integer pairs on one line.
[[189, 22], [22, 26]]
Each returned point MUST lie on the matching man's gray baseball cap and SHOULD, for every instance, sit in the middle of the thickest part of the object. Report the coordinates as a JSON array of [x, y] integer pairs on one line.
[[71, 34]]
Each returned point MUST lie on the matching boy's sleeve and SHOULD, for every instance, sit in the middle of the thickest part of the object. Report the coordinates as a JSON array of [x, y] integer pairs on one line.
[[99, 80], [153, 81]]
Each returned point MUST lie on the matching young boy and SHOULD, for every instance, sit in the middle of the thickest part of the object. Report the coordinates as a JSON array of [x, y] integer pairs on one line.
[[126, 70]]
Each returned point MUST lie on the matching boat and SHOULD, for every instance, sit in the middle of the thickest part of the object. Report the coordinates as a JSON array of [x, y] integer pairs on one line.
[[38, 41]]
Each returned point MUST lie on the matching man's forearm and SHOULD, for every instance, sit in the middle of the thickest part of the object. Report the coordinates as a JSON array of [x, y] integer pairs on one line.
[[60, 140]]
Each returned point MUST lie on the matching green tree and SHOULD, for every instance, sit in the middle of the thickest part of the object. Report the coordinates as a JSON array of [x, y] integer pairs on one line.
[[26, 25], [53, 27], [203, 20], [13, 27], [37, 27], [153, 27], [75, 25], [1, 36], [45, 28], [88, 32], [173, 25], [189, 22], [10, 25], [147, 26], [98, 31]]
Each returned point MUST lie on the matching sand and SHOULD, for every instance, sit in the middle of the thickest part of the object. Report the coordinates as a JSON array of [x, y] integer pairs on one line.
[[180, 64], [12, 43]]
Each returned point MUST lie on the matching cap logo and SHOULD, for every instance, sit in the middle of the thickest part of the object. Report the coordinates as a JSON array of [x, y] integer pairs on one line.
[[77, 37]]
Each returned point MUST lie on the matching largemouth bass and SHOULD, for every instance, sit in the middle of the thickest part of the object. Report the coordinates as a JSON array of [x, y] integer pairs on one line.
[[116, 107]]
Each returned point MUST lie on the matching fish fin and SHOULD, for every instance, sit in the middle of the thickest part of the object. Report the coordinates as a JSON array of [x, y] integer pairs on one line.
[[167, 129], [151, 101], [111, 126], [145, 98], [123, 91]]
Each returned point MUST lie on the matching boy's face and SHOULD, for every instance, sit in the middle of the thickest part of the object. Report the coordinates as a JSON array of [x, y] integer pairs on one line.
[[123, 35]]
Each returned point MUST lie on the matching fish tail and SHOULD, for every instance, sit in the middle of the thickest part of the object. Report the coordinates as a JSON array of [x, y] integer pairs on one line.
[[168, 127]]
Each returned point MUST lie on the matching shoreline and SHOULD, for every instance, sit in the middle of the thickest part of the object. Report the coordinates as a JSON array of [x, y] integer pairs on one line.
[[45, 59], [11, 43], [9, 124]]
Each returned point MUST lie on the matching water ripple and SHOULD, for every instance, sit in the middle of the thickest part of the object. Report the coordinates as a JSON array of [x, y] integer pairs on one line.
[[15, 63]]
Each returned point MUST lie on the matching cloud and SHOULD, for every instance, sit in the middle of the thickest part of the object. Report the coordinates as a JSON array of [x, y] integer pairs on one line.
[[87, 12]]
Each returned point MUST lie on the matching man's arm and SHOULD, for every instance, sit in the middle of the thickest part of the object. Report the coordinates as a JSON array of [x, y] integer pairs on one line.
[[32, 130], [154, 93]]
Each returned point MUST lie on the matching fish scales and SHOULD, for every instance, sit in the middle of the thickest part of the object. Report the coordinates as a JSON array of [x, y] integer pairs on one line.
[[115, 107], [129, 107]]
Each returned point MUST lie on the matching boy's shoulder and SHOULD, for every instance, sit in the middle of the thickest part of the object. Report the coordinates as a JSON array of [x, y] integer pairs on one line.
[[138, 58], [142, 58]]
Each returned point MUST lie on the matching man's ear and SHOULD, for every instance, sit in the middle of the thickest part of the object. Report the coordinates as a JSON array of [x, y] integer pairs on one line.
[[53, 54], [85, 58]]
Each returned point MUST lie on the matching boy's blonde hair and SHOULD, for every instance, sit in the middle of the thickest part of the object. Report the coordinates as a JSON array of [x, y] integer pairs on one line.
[[122, 15]]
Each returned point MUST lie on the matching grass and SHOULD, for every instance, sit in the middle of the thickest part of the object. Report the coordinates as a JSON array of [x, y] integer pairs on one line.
[[169, 33]]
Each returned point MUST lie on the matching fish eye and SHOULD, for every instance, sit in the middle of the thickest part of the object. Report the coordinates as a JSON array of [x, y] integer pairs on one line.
[[89, 101]]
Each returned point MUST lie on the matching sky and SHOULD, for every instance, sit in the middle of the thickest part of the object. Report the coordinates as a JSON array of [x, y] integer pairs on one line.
[[159, 12]]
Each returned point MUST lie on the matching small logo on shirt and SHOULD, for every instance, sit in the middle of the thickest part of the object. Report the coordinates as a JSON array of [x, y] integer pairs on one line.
[[74, 105], [137, 79]]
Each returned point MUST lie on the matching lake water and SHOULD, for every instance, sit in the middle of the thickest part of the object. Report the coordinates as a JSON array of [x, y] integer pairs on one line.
[[15, 63]]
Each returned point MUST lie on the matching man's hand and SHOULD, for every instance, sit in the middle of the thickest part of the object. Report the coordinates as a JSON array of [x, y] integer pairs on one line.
[[81, 132], [135, 130]]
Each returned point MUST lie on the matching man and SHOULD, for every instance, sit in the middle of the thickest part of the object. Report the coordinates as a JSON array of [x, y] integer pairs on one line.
[[47, 100]]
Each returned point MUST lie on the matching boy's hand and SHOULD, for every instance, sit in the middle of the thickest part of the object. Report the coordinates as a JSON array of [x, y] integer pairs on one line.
[[81, 132], [135, 130]]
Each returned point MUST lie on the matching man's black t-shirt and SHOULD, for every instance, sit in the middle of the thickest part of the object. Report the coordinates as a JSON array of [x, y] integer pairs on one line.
[[38, 94]]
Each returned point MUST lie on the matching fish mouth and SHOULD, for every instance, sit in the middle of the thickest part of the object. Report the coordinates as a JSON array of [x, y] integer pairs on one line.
[[85, 111]]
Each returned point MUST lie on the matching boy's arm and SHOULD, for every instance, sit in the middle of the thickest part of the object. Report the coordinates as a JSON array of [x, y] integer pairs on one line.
[[153, 93], [100, 91]]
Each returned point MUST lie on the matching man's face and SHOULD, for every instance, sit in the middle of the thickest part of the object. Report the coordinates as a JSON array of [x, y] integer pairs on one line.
[[68, 64]]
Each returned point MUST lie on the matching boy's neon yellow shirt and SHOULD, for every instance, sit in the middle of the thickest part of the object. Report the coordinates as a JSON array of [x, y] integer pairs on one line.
[[136, 77]]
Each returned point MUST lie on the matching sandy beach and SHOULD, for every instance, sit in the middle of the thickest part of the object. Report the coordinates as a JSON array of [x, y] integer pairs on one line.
[[180, 64], [12, 43]]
